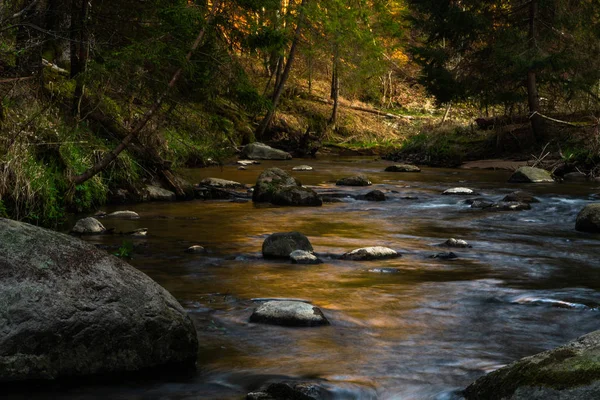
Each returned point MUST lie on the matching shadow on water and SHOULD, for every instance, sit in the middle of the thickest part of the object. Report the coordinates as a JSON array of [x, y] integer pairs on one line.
[[408, 328]]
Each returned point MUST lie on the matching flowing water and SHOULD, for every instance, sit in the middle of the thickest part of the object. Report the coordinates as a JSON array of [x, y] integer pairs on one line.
[[408, 328]]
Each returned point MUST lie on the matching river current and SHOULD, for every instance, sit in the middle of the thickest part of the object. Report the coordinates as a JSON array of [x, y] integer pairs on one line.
[[407, 328]]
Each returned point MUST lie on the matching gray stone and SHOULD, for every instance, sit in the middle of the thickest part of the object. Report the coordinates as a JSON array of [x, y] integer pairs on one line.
[[569, 372], [358, 180], [260, 151], [588, 219], [531, 175], [88, 226], [281, 244], [304, 257], [521, 197], [370, 253], [68, 309], [403, 168], [456, 243], [448, 255], [375, 195], [156, 193], [302, 168], [246, 163], [277, 187], [140, 232], [125, 214], [288, 313], [222, 183], [460, 191]]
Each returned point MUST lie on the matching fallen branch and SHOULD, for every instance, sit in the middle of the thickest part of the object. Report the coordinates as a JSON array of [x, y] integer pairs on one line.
[[22, 78], [369, 110], [558, 121]]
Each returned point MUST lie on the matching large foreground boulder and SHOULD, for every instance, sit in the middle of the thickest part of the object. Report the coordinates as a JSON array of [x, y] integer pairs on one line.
[[69, 309], [281, 244], [568, 372], [260, 151], [288, 313], [275, 186], [531, 175], [588, 219]]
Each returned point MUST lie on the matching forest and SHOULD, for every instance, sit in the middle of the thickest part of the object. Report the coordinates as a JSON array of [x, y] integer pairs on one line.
[[300, 199], [102, 95]]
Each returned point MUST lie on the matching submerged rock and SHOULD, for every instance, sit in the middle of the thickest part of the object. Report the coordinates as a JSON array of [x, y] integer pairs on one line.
[[569, 372], [261, 151], [461, 191], [281, 244], [88, 226], [277, 187], [125, 214], [156, 193], [288, 313], [588, 219], [448, 255], [500, 206], [304, 257], [521, 197], [358, 180], [371, 253], [531, 175], [456, 243], [403, 168], [195, 249], [290, 391], [70, 309], [375, 195]]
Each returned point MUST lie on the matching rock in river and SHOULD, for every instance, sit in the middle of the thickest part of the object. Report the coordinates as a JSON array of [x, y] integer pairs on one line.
[[88, 226], [358, 180], [569, 372], [302, 168], [290, 390], [588, 219], [260, 151], [531, 175], [403, 168], [374, 195], [281, 244], [521, 197], [304, 257], [462, 191], [70, 309], [125, 214], [288, 313], [371, 253], [456, 243], [156, 193], [277, 187]]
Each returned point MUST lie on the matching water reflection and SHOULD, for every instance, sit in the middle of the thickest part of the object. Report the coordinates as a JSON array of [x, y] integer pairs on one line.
[[422, 332]]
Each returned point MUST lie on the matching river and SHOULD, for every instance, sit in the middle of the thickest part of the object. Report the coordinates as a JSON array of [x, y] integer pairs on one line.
[[407, 328]]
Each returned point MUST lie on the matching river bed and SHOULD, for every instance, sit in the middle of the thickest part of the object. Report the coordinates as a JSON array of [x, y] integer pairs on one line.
[[407, 328]]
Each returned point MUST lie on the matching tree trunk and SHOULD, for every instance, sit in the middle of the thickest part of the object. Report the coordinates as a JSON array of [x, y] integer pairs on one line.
[[112, 155], [264, 124], [532, 93], [335, 89], [79, 49]]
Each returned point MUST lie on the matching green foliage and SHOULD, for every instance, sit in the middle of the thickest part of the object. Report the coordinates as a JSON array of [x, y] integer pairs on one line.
[[3, 211], [125, 250]]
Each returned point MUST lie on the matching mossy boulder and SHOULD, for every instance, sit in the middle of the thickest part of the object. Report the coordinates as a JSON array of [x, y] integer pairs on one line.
[[358, 180], [260, 151], [403, 168], [275, 186], [568, 372], [588, 219], [68, 309], [531, 175]]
